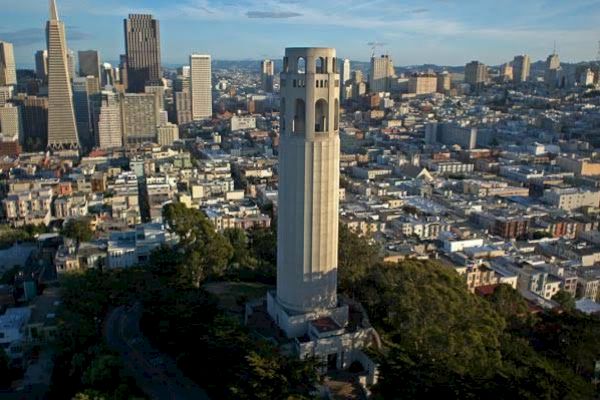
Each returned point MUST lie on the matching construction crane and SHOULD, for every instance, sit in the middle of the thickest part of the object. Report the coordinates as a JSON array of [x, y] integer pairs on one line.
[[375, 45]]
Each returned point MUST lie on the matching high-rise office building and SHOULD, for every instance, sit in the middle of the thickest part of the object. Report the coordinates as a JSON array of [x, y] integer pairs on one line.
[[201, 86], [106, 119], [62, 128], [521, 67], [506, 72], [71, 64], [380, 74], [552, 68], [123, 70], [444, 82], [183, 107], [6, 93], [11, 122], [35, 121], [8, 69], [309, 168], [89, 63], [267, 69], [83, 89], [345, 70], [41, 65], [422, 83], [140, 118], [476, 73], [142, 47]]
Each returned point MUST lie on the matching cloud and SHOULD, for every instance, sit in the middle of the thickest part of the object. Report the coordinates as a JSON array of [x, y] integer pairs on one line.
[[28, 36], [419, 11], [272, 14], [23, 37]]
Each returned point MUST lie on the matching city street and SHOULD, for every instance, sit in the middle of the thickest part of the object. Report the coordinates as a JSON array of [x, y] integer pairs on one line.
[[155, 373]]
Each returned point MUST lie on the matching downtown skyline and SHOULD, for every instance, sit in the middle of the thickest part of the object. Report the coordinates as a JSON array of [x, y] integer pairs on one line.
[[443, 32]]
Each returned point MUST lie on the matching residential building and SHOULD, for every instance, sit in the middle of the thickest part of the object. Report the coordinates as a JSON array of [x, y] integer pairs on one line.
[[139, 118], [167, 134]]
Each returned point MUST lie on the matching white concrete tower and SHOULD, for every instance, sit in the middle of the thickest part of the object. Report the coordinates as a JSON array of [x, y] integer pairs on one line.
[[309, 158]]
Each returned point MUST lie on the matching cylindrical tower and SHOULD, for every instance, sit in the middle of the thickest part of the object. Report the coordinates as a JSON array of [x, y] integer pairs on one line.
[[309, 159]]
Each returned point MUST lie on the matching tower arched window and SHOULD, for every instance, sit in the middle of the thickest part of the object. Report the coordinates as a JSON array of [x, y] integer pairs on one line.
[[334, 64], [285, 64], [320, 65], [336, 116], [299, 116], [321, 115], [301, 65]]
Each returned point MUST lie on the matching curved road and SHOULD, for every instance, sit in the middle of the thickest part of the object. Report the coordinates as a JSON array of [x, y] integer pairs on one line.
[[155, 373]]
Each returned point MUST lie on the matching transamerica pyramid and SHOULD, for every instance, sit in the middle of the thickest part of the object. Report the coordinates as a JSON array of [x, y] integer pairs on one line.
[[62, 128]]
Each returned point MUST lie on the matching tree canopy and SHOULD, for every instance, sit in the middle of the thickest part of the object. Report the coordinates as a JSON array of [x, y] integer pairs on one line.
[[78, 229]]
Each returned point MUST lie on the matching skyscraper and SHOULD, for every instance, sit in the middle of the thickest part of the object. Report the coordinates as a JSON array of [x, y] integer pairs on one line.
[[11, 122], [106, 120], [62, 129], [444, 82], [521, 66], [382, 70], [506, 72], [83, 89], [89, 63], [305, 303], [8, 70], [200, 86], [476, 73], [142, 47], [345, 70], [267, 68], [552, 68], [41, 65]]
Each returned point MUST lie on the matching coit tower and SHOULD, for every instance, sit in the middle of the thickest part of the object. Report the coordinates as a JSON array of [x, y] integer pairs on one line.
[[309, 160]]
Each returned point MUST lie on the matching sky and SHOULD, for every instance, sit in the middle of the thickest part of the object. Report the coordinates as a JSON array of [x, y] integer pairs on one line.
[[443, 32]]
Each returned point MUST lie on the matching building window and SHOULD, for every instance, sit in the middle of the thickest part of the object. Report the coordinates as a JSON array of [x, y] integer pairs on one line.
[[321, 115], [320, 65], [299, 116], [285, 64], [301, 65]]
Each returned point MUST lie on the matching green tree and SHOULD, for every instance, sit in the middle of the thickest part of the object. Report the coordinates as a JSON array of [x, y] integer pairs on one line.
[[565, 300], [207, 252], [103, 371], [78, 229], [356, 255], [238, 240]]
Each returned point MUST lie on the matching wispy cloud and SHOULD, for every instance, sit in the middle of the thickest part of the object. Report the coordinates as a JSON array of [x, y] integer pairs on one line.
[[418, 11], [28, 36], [272, 14]]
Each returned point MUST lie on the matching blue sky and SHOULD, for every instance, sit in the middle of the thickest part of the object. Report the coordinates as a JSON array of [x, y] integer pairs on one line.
[[450, 32]]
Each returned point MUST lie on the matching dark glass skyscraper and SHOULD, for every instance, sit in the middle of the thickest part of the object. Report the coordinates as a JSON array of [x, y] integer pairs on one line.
[[89, 63], [142, 45]]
